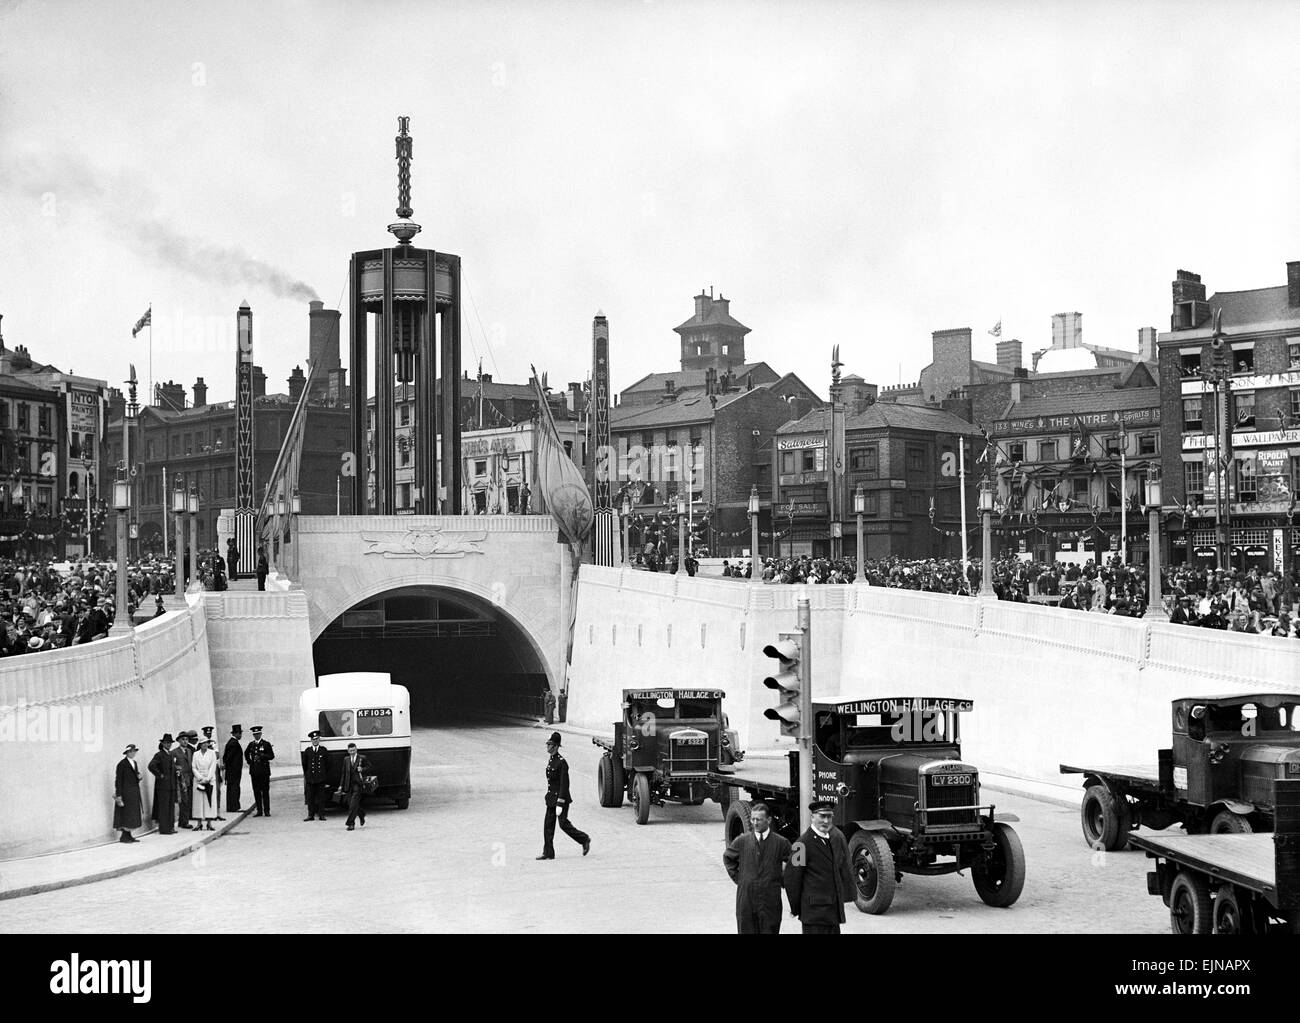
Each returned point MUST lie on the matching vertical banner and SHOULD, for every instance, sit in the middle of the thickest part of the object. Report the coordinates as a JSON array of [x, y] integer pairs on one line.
[[1279, 550], [602, 465]]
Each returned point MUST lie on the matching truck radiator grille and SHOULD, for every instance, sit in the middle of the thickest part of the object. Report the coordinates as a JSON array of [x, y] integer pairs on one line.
[[937, 797]]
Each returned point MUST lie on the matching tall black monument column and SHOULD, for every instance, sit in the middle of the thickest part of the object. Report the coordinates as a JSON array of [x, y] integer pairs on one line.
[[413, 296]]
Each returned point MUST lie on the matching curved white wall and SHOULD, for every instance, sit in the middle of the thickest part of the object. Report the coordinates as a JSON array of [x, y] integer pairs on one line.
[[66, 715], [1049, 686]]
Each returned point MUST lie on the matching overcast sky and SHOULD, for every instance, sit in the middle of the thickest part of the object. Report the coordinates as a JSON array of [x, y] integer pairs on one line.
[[860, 174]]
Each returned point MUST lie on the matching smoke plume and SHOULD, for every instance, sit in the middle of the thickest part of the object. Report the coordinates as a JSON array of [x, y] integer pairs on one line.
[[130, 212]]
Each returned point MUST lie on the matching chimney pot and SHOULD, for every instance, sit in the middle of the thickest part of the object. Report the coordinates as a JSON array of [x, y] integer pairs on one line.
[[1293, 284]]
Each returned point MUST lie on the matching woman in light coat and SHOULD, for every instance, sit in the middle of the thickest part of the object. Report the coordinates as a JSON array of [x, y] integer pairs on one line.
[[205, 805]]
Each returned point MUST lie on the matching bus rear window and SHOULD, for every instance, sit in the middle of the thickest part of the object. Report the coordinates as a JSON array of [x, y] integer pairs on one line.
[[375, 721], [337, 724]]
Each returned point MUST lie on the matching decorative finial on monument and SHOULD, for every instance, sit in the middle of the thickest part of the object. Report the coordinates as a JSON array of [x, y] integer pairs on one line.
[[404, 230]]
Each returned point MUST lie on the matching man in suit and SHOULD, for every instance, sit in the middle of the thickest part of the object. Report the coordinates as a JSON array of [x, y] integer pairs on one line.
[[755, 861], [258, 756], [163, 770], [183, 758], [351, 784], [557, 796], [315, 767], [126, 795], [819, 878], [233, 760], [262, 568]]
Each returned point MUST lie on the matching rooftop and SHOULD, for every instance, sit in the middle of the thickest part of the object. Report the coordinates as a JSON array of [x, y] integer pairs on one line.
[[1101, 400], [884, 415]]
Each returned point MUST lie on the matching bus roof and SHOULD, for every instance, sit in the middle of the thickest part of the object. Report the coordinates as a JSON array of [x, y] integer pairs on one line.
[[893, 704]]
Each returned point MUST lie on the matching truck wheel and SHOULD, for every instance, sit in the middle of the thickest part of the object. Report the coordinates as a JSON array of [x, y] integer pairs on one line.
[[1232, 916], [1189, 904], [1228, 822], [873, 872], [605, 791], [1000, 880], [737, 822], [641, 797], [619, 779], [1105, 819]]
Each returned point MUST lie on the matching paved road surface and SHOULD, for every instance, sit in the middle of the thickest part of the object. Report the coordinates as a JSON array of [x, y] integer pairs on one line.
[[460, 859]]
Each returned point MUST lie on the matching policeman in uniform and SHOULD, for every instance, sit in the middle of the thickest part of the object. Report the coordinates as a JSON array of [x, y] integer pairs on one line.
[[315, 766], [258, 755], [557, 795]]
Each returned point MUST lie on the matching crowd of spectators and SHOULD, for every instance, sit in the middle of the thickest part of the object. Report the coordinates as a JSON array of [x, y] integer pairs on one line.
[[47, 605]]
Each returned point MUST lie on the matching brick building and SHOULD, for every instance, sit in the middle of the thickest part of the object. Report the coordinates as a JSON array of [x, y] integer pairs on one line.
[[905, 458], [1259, 437]]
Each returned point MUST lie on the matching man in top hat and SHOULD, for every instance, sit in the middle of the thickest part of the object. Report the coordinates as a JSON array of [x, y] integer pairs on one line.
[[232, 759], [557, 796], [315, 768], [183, 758], [163, 770], [258, 755], [126, 795], [755, 861], [819, 878]]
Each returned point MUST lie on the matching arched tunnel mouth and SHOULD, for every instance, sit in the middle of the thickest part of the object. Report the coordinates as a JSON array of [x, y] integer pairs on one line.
[[458, 655]]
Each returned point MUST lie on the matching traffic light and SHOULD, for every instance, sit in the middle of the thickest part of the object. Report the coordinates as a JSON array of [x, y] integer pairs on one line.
[[786, 680]]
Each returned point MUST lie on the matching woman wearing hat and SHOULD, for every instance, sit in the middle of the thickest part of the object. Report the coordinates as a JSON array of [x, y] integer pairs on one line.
[[126, 795], [204, 765]]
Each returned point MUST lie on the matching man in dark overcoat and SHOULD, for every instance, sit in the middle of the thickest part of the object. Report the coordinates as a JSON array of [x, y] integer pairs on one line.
[[755, 861], [233, 760], [163, 769], [183, 758], [819, 878], [126, 795]]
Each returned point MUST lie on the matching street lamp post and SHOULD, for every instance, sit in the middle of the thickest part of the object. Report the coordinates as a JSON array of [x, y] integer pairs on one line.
[[122, 503], [178, 517], [277, 543], [986, 514], [192, 506], [625, 511], [859, 509], [681, 534], [1155, 598], [754, 575], [295, 507]]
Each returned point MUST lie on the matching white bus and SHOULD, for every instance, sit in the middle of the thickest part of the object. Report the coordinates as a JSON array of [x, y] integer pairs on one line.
[[364, 707]]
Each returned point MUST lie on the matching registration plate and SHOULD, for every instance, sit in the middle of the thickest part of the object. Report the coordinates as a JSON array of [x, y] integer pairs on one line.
[[690, 740], [951, 779]]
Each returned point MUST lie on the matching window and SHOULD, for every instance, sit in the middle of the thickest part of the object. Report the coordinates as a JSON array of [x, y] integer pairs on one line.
[[480, 465], [187, 444], [1047, 451], [1194, 480], [4, 415], [1243, 360], [916, 460], [1295, 473], [863, 460], [1244, 405], [568, 450], [1016, 451], [916, 503], [1147, 444], [1192, 414], [1293, 353], [1113, 445], [230, 436], [787, 463], [24, 417], [1247, 490], [404, 451], [872, 503], [1189, 363], [404, 495], [647, 441], [808, 460], [405, 416], [44, 498], [44, 417], [1295, 404], [1079, 489]]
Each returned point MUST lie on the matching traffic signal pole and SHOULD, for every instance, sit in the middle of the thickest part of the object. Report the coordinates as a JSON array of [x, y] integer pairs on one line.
[[805, 738]]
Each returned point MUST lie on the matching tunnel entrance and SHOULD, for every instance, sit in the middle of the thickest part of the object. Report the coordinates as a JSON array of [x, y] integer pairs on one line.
[[456, 653]]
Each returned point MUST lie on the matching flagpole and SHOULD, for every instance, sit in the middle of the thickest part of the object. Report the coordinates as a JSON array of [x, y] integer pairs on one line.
[[1123, 496], [965, 559], [151, 351], [166, 502]]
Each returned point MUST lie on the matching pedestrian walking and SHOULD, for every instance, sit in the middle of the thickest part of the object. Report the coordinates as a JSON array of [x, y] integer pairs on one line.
[[182, 757], [204, 767], [163, 770], [755, 861], [315, 768], [126, 795], [558, 798], [819, 878], [262, 568], [233, 761], [352, 783], [258, 756]]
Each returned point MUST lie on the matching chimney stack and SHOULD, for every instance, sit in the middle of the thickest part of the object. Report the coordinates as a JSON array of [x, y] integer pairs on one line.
[[259, 382], [1292, 288], [1147, 344], [171, 396], [200, 393], [338, 386], [1190, 307], [322, 345], [297, 381], [1009, 354]]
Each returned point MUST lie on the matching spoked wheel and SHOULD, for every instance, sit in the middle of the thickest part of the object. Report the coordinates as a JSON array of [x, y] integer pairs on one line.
[[641, 797], [1189, 904], [1232, 916], [874, 876], [1000, 880]]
